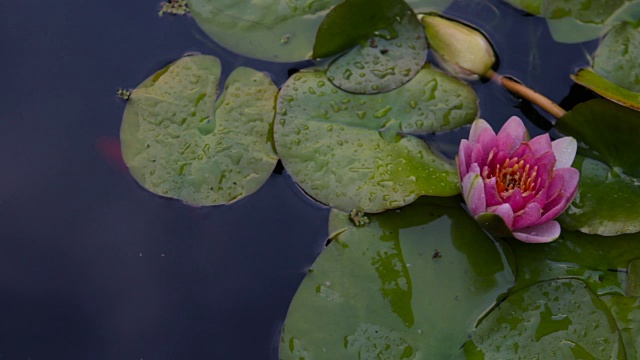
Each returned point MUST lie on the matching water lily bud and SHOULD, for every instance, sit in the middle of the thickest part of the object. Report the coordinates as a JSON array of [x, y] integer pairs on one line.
[[460, 49]]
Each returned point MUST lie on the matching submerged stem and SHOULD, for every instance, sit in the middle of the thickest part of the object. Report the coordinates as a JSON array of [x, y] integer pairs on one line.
[[529, 94]]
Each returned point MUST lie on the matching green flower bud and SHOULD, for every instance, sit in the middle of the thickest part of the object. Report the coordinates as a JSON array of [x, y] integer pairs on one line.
[[460, 49]]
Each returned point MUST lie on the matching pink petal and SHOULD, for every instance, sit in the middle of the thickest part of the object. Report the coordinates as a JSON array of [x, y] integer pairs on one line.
[[515, 200], [486, 140], [528, 217], [547, 158], [491, 193], [476, 128], [568, 192], [477, 155], [464, 157], [539, 197], [543, 175], [540, 144], [523, 151], [565, 150], [571, 179], [473, 193], [512, 133], [554, 186], [497, 159], [505, 212], [554, 207], [542, 233]]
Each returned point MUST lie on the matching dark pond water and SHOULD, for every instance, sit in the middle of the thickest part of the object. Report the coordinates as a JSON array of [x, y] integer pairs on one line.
[[94, 267]]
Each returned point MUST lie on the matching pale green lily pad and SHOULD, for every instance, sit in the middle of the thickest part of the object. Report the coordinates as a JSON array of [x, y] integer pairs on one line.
[[626, 312], [429, 5], [608, 202], [575, 21], [604, 87], [179, 142], [601, 262], [586, 11], [389, 57], [568, 30], [410, 284], [618, 55], [559, 319], [345, 149], [275, 30]]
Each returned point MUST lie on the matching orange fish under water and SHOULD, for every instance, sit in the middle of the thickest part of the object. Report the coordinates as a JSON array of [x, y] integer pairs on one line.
[[109, 148]]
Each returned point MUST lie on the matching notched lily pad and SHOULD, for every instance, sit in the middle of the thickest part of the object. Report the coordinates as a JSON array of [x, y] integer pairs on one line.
[[349, 151], [410, 284], [275, 30], [558, 319], [179, 142], [390, 46]]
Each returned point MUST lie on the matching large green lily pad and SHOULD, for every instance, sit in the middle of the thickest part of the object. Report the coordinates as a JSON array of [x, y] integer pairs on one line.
[[601, 262], [605, 131], [607, 203], [616, 58], [410, 284], [179, 142], [626, 312], [574, 21], [390, 45], [559, 319], [348, 151]]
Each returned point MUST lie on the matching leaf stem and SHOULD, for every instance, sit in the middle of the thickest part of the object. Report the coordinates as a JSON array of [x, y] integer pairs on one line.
[[529, 94]]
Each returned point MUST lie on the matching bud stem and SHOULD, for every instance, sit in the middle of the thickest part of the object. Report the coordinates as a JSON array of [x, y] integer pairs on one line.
[[529, 94]]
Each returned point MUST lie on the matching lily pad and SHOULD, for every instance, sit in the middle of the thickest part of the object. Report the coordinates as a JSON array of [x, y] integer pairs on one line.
[[605, 131], [626, 312], [391, 45], [411, 283], [616, 58], [275, 30], [602, 263], [559, 319], [607, 203], [575, 21], [429, 5], [348, 150], [604, 87], [179, 142]]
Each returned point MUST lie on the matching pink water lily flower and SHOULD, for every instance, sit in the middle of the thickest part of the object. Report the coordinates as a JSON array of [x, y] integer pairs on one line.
[[526, 183]]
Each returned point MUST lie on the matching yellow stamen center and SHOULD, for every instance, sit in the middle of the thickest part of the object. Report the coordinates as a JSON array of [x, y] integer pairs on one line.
[[511, 175]]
